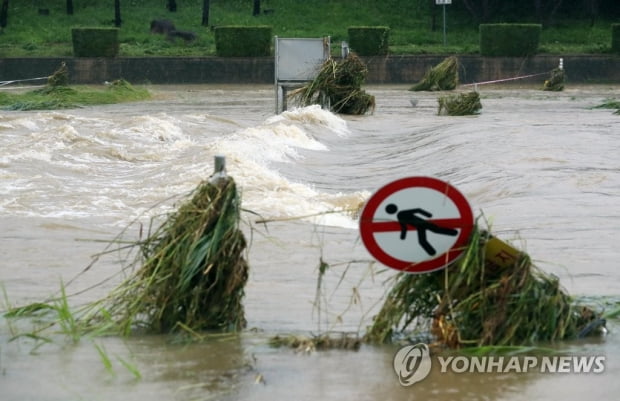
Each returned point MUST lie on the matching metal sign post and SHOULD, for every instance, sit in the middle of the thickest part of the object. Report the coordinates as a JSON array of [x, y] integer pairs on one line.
[[444, 3]]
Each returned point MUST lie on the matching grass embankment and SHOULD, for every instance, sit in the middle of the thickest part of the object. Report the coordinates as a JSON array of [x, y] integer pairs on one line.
[[29, 34]]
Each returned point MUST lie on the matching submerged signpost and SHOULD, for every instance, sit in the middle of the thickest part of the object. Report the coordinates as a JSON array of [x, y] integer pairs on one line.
[[443, 3]]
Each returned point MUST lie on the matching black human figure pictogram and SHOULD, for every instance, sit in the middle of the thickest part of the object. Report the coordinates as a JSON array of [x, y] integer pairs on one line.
[[409, 218]]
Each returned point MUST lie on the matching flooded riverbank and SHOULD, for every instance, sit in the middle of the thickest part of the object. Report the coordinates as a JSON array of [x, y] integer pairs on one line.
[[542, 167]]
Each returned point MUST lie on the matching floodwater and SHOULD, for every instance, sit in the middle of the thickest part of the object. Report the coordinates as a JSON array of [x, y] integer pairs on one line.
[[542, 168]]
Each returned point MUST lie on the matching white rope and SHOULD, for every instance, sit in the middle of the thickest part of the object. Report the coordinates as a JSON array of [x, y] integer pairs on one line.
[[506, 79], [3, 83]]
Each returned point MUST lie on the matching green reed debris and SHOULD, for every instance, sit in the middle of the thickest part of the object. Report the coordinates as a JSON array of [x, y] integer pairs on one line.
[[57, 94], [338, 85], [463, 104], [610, 104], [556, 80], [473, 302], [188, 275], [442, 77], [193, 269]]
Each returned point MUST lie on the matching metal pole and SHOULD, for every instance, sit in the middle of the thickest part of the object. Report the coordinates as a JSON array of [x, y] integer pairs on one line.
[[444, 24], [219, 169]]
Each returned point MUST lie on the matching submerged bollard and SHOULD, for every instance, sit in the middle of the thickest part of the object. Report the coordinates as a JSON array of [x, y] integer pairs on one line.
[[219, 169]]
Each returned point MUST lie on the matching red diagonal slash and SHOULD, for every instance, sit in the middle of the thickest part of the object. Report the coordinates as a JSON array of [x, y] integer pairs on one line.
[[386, 226]]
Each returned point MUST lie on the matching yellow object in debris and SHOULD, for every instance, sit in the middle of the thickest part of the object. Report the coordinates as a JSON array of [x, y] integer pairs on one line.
[[500, 253]]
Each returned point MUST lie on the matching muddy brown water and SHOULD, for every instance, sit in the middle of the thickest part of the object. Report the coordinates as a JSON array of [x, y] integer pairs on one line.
[[543, 169]]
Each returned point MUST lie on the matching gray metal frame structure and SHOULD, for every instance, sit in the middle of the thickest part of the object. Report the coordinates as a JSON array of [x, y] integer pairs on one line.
[[297, 61]]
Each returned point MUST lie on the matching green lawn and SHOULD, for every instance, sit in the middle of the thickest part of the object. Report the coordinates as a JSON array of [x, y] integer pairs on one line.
[[29, 34]]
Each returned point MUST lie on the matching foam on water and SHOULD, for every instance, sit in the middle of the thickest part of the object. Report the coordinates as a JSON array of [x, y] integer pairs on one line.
[[256, 154], [313, 115], [120, 167]]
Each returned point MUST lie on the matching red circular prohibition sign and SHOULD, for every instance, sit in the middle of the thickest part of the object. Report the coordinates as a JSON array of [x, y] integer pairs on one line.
[[464, 224]]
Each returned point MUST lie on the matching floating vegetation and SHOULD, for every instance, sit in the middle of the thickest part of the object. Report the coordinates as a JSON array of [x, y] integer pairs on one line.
[[58, 95], [463, 104], [556, 80], [188, 275], [346, 341], [444, 76], [610, 104], [475, 302], [338, 85]]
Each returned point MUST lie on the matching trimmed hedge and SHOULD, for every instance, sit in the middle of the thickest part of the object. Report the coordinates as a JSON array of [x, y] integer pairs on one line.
[[509, 40], [243, 41], [369, 40], [615, 38], [95, 42]]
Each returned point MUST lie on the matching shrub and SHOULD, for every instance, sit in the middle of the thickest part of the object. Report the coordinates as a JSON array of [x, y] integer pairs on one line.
[[369, 40], [95, 42], [243, 41], [509, 40]]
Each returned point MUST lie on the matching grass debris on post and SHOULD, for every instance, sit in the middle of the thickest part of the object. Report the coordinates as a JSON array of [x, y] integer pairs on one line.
[[339, 85], [60, 77], [463, 104], [187, 276], [474, 302], [192, 270], [556, 81], [442, 77]]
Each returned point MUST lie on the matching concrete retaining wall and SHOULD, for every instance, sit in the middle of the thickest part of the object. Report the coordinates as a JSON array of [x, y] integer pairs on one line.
[[385, 69]]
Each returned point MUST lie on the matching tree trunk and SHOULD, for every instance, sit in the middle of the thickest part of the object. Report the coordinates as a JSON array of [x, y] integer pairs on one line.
[[592, 8], [172, 6], [205, 13], [546, 10], [256, 10], [4, 13], [481, 10], [69, 7], [117, 13], [433, 15]]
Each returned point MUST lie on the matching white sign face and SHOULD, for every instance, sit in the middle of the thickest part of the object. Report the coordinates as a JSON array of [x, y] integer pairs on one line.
[[416, 224], [436, 206], [299, 59], [443, 2]]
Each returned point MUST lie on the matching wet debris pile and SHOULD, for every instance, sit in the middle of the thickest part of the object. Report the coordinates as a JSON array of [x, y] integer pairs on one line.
[[462, 104], [555, 82], [475, 302], [339, 86], [60, 77], [442, 77], [193, 271], [187, 276], [58, 94]]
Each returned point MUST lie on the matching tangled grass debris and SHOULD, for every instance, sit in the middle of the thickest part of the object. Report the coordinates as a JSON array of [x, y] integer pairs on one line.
[[338, 84], [57, 94], [188, 275], [442, 77], [474, 302], [555, 82], [462, 104]]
